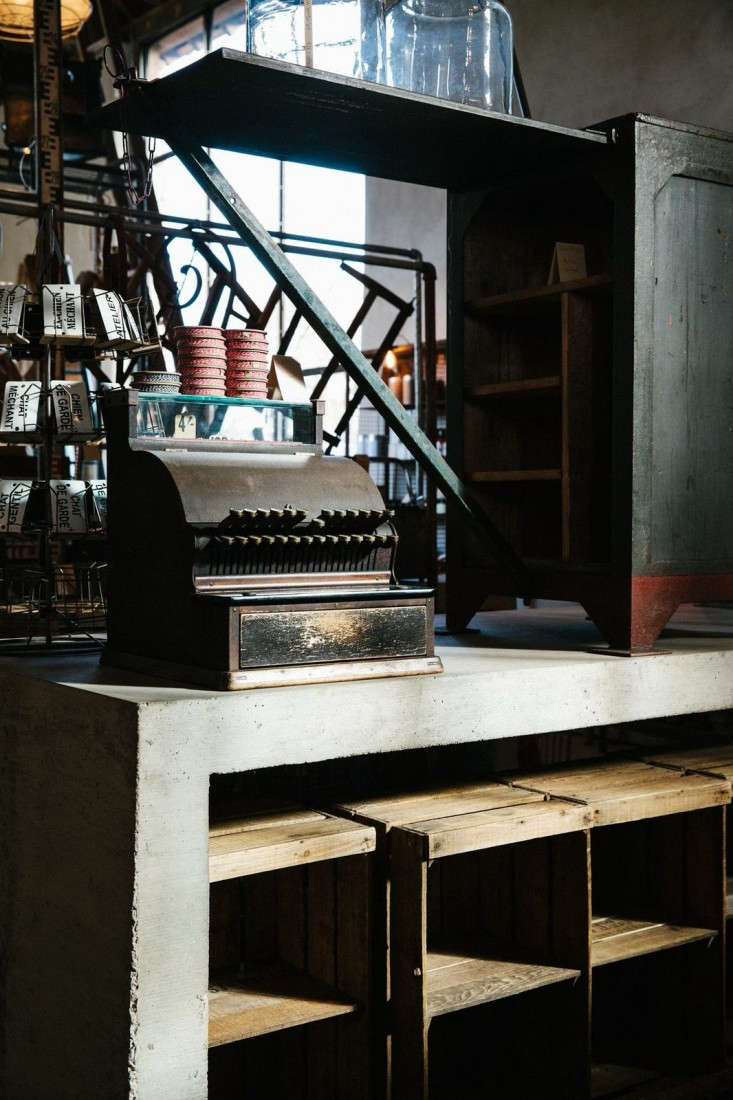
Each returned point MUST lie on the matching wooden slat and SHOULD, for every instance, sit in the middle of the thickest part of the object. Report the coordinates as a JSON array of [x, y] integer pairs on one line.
[[276, 815], [618, 938], [577, 425], [456, 981], [481, 476], [250, 851], [628, 790], [408, 949], [518, 387], [508, 825], [714, 760], [405, 808], [354, 1066], [270, 999], [498, 303], [321, 949]]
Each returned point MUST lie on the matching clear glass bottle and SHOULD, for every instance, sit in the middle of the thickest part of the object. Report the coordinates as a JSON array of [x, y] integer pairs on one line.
[[340, 36], [454, 49]]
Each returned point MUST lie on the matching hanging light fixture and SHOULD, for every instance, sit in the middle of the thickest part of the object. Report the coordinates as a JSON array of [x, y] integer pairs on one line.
[[16, 19]]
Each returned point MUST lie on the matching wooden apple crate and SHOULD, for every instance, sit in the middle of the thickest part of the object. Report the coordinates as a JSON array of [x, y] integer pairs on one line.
[[504, 906], [289, 997], [716, 760]]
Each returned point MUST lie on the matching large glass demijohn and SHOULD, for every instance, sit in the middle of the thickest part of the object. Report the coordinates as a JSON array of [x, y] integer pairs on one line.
[[455, 49], [340, 36]]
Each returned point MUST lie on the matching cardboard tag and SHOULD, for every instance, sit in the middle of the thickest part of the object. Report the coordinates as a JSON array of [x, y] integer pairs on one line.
[[184, 425], [63, 315], [99, 499], [286, 381], [133, 331], [71, 408], [20, 407], [112, 315], [568, 263], [12, 302], [13, 501], [69, 507]]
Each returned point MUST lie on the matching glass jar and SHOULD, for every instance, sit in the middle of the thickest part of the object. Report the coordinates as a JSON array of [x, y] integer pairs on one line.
[[340, 36], [454, 49]]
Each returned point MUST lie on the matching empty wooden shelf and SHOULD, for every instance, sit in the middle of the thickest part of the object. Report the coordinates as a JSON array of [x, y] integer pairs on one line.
[[270, 999], [617, 938], [628, 790], [518, 388], [476, 868], [478, 476], [290, 946], [291, 838], [454, 982], [516, 299]]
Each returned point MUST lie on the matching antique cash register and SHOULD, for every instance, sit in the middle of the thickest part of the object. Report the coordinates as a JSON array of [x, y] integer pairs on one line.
[[242, 556]]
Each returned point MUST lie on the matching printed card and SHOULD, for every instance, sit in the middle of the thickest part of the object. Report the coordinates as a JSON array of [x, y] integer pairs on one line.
[[20, 407], [71, 408]]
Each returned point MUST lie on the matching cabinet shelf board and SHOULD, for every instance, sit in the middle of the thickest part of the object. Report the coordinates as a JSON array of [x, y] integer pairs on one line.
[[617, 938], [455, 981], [270, 999], [519, 300], [479, 476], [519, 387], [253, 845]]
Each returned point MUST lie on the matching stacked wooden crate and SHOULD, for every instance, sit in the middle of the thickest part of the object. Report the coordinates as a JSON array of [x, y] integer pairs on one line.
[[289, 947], [502, 936]]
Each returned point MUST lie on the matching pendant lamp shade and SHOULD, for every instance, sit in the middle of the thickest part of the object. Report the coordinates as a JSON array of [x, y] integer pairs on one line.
[[16, 19]]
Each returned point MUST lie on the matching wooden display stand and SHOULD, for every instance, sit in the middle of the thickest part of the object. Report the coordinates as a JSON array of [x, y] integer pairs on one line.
[[716, 760], [657, 867], [505, 898], [289, 947]]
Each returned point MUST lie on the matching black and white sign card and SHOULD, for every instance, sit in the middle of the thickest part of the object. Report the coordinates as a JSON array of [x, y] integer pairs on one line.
[[71, 408], [13, 501], [20, 407], [12, 301], [69, 507], [63, 314], [113, 319]]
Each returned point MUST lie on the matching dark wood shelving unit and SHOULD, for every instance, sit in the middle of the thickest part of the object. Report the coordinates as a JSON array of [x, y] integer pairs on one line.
[[638, 433]]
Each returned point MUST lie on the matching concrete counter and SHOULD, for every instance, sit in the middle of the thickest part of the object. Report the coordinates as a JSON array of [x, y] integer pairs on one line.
[[104, 817]]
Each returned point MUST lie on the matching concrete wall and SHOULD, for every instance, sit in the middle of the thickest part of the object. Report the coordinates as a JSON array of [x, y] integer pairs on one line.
[[583, 61]]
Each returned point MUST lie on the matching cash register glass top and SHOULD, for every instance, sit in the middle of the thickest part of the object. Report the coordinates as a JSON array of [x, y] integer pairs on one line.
[[224, 418]]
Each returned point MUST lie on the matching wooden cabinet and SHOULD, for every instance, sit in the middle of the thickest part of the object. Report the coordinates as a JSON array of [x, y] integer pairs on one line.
[[592, 418]]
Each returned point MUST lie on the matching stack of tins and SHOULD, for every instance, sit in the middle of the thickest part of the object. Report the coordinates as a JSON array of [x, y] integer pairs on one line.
[[247, 363], [201, 354]]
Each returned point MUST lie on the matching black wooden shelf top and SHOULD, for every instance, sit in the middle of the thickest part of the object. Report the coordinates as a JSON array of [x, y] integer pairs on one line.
[[232, 100]]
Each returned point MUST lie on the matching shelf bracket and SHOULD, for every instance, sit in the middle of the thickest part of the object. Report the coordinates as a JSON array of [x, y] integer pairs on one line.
[[274, 260]]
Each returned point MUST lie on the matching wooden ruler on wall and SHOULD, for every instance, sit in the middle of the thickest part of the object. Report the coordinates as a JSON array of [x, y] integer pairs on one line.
[[48, 73]]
